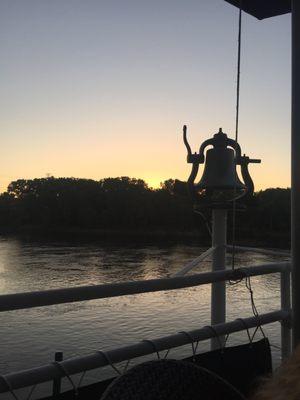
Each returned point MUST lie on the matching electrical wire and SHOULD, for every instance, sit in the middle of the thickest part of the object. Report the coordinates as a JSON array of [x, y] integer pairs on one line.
[[237, 115]]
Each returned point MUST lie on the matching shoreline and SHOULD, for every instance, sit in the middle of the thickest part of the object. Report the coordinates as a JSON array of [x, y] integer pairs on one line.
[[268, 239]]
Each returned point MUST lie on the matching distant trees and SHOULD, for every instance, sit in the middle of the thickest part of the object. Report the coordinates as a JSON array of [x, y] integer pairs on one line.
[[129, 204], [84, 203], [267, 218]]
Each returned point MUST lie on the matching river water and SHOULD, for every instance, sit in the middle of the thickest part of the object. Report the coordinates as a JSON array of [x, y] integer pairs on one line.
[[30, 337]]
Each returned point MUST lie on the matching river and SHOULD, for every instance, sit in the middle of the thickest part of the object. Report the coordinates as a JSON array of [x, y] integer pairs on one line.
[[30, 337]]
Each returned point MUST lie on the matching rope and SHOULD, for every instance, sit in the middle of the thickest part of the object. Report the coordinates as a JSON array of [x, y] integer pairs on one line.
[[237, 115], [153, 346], [254, 309], [216, 335], [80, 381], [246, 327], [31, 392], [236, 129], [126, 366], [205, 220], [194, 348], [62, 369], [9, 387], [166, 354], [108, 360]]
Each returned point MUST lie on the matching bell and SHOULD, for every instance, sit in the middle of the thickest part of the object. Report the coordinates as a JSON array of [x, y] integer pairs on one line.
[[220, 181], [220, 170], [220, 184]]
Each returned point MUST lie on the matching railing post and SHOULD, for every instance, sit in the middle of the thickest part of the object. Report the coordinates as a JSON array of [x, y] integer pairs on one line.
[[218, 289], [57, 382], [295, 162], [285, 293]]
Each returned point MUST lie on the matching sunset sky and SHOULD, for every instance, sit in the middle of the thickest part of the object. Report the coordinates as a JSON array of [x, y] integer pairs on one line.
[[98, 88]]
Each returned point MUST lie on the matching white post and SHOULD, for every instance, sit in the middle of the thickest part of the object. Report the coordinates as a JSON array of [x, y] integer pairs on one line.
[[218, 289], [285, 291], [295, 161]]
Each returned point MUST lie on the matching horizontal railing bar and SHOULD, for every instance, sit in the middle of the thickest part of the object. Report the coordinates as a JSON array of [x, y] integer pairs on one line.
[[194, 263], [262, 251], [98, 359], [19, 301]]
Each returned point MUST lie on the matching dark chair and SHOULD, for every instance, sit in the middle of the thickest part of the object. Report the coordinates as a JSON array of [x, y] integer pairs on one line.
[[170, 380]]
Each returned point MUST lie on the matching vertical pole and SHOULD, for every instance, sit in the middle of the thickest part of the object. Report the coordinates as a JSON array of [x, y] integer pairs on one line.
[[57, 382], [285, 284], [218, 295], [295, 161]]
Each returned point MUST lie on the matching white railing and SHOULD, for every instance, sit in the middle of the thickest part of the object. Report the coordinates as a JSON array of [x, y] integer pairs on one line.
[[79, 364], [18, 301], [267, 252], [197, 261], [194, 263], [98, 359]]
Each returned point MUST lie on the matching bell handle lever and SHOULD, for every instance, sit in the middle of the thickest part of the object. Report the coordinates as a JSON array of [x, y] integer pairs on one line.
[[185, 141], [244, 161], [191, 158]]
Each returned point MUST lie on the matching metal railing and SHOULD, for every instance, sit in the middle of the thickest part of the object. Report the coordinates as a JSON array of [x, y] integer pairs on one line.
[[18, 301], [98, 359]]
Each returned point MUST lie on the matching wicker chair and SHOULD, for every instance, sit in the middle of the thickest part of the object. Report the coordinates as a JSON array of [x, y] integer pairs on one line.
[[170, 380]]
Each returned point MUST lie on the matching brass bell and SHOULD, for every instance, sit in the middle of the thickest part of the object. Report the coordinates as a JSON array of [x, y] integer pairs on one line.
[[220, 170], [220, 184]]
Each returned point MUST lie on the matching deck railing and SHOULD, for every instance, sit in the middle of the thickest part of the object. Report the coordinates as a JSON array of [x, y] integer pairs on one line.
[[51, 297], [98, 359]]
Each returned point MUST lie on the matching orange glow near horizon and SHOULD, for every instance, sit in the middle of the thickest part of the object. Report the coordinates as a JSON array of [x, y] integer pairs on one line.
[[262, 179], [153, 156]]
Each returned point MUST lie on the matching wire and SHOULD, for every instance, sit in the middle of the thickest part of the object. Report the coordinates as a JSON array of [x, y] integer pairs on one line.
[[236, 129], [253, 306], [205, 220], [237, 115]]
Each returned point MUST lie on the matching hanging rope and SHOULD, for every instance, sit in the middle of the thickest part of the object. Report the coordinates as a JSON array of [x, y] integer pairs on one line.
[[237, 115], [254, 309], [236, 129]]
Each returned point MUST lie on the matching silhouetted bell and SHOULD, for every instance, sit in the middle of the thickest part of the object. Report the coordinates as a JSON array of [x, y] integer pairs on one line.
[[220, 184]]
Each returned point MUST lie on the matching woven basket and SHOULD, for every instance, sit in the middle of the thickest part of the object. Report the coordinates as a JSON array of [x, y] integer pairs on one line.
[[170, 380]]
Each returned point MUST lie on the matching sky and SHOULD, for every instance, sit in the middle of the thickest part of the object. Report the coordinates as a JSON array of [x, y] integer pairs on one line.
[[101, 88]]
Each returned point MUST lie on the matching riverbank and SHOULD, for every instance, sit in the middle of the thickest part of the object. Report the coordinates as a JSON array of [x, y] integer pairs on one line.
[[259, 238]]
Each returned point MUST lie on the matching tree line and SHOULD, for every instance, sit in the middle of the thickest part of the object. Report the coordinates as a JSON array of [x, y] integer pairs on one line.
[[130, 204]]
